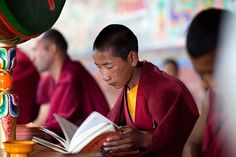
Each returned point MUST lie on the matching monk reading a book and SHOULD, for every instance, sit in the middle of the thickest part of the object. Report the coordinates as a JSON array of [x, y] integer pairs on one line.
[[156, 111]]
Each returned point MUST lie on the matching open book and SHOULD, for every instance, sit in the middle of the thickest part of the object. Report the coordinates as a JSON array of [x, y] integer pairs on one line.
[[76, 138]]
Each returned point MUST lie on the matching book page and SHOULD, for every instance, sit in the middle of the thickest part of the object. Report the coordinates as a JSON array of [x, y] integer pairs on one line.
[[92, 120], [67, 127], [89, 135], [49, 145], [80, 137], [54, 135]]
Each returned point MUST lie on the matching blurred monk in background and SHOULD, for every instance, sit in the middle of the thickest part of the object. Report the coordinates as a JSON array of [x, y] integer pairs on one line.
[[209, 137], [171, 66], [73, 92]]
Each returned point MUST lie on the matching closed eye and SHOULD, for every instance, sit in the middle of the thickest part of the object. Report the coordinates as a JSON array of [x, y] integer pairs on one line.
[[99, 67], [109, 67]]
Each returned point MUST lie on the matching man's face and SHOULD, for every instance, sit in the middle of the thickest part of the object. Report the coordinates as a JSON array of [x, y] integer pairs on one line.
[[205, 68], [41, 56], [171, 69], [115, 71]]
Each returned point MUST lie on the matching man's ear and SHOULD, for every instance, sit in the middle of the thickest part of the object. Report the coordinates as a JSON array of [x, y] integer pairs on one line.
[[133, 58]]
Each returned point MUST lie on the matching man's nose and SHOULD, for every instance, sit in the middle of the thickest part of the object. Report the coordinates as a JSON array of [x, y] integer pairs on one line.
[[106, 76]]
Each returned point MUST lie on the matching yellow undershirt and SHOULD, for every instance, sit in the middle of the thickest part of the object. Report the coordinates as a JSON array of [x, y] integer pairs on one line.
[[131, 99]]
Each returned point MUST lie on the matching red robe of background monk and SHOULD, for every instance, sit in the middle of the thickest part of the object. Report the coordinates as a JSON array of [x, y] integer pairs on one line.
[[45, 89], [25, 77], [217, 139], [164, 108]]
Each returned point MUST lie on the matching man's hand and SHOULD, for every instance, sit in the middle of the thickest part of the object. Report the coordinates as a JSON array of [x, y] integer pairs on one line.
[[128, 139], [31, 124]]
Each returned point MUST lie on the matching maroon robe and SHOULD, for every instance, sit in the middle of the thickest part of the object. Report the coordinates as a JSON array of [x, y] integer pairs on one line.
[[45, 88], [164, 107], [25, 82], [75, 96], [216, 141]]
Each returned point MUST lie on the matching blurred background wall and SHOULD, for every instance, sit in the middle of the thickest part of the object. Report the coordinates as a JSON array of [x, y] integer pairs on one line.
[[160, 26]]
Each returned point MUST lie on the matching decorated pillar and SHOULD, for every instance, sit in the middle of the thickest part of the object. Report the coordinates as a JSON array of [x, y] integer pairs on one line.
[[8, 101], [20, 20]]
